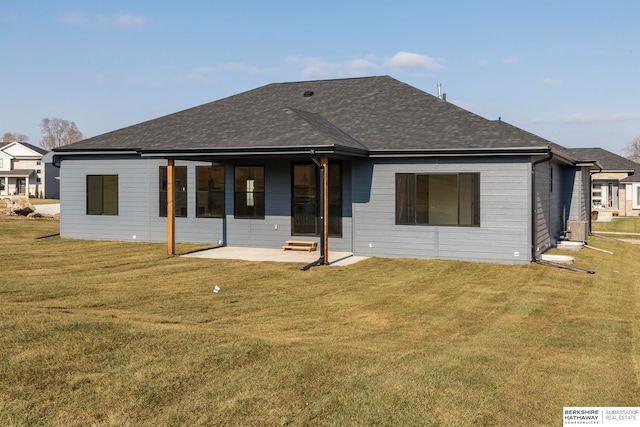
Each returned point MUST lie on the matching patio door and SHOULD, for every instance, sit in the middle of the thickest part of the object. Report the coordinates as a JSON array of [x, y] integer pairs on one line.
[[305, 209]]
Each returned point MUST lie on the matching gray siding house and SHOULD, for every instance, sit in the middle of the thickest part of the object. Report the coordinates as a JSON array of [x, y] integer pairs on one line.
[[404, 174]]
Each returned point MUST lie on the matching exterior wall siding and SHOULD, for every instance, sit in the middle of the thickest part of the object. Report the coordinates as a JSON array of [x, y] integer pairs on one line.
[[138, 206], [138, 199], [504, 233]]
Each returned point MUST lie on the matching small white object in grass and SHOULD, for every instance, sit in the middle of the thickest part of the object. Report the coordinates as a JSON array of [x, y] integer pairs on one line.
[[134, 237], [216, 290]]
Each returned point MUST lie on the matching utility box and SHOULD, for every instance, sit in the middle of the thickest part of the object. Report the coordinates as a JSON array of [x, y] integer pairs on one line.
[[578, 231]]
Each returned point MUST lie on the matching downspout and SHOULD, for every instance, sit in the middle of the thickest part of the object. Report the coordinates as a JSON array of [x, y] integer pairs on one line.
[[534, 206], [534, 220], [321, 260]]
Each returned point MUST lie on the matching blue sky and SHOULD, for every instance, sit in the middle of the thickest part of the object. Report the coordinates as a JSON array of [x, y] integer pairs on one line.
[[568, 71]]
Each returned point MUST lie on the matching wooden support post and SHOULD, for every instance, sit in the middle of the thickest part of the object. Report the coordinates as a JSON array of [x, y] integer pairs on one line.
[[325, 214], [171, 211]]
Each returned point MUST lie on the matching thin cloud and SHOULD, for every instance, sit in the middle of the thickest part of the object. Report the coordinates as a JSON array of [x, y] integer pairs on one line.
[[360, 66], [589, 118], [510, 60], [201, 74], [83, 20], [314, 67], [594, 118], [129, 21], [77, 19], [409, 60], [483, 62], [548, 81], [241, 67]]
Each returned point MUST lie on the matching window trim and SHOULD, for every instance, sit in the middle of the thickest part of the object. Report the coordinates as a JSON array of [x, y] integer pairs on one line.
[[250, 196], [90, 206], [635, 191], [209, 191], [162, 207], [412, 203]]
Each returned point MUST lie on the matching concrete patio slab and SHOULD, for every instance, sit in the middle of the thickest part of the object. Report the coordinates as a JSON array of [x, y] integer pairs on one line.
[[276, 255]]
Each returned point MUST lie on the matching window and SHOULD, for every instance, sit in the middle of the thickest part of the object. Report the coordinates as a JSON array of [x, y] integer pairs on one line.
[[180, 193], [210, 192], [438, 199], [306, 218], [249, 192], [102, 194]]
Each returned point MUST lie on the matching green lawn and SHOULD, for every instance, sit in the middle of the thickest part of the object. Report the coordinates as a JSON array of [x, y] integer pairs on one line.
[[619, 225], [120, 334]]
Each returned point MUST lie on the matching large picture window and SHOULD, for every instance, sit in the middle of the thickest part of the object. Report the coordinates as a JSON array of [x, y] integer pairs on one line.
[[210, 191], [102, 194], [180, 193], [438, 199], [249, 192], [306, 218]]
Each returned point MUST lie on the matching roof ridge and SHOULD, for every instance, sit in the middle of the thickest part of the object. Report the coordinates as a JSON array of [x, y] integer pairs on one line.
[[303, 113]]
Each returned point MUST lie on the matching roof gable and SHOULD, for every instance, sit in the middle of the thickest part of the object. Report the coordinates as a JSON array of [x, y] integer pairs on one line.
[[22, 149]]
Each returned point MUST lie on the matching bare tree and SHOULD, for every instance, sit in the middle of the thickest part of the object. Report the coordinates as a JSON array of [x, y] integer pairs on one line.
[[11, 137], [58, 132], [633, 149]]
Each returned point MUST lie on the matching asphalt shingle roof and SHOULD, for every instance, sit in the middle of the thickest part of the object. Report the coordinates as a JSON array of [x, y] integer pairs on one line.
[[609, 161], [372, 114]]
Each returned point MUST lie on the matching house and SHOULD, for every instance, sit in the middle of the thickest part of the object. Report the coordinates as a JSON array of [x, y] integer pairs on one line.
[[51, 177], [21, 169], [615, 187], [368, 165]]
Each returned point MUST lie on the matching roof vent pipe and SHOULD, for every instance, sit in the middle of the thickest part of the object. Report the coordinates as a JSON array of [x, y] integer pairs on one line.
[[439, 90]]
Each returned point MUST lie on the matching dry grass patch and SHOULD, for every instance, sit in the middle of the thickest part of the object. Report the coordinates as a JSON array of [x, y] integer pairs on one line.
[[112, 333]]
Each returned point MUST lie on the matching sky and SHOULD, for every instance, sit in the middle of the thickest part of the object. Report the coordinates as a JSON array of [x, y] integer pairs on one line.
[[568, 71]]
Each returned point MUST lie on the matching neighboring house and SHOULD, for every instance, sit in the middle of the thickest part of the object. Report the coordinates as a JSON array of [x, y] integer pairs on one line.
[[51, 177], [616, 186], [21, 169], [408, 175]]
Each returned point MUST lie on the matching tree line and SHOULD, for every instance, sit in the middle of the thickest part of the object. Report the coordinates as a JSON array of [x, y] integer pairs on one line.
[[55, 133]]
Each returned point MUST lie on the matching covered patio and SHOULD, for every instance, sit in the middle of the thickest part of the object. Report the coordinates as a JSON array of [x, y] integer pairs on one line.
[[15, 182]]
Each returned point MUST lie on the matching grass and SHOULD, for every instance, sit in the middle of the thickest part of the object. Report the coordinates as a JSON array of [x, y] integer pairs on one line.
[[120, 334], [620, 225]]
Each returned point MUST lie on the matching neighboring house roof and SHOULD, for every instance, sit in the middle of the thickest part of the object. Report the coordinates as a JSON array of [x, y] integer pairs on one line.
[[17, 173], [35, 148], [38, 150], [358, 116], [610, 162], [632, 178]]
